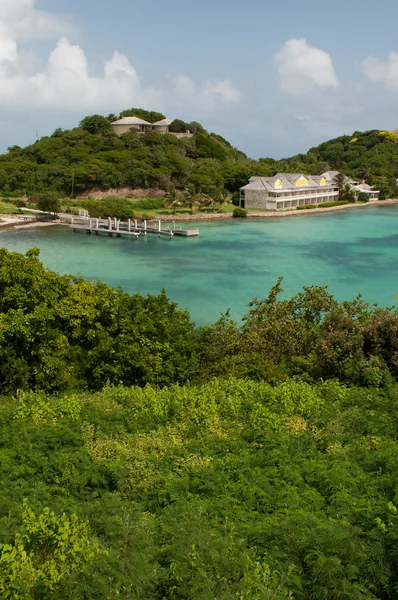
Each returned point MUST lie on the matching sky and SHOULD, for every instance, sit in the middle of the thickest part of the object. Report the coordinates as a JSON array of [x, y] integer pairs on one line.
[[274, 78]]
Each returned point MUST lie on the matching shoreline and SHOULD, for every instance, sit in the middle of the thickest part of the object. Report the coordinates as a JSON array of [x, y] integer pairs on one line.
[[276, 214], [11, 222]]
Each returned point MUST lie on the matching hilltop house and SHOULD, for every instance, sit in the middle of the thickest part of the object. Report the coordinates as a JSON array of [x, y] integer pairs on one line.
[[127, 123], [287, 190]]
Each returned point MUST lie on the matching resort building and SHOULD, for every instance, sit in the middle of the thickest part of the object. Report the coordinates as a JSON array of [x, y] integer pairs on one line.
[[125, 124], [287, 190], [355, 186]]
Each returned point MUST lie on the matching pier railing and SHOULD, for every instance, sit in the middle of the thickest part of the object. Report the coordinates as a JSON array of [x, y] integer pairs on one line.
[[130, 228]]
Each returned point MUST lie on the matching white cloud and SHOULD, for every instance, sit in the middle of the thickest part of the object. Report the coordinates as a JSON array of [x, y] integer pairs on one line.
[[208, 97], [20, 21], [302, 69], [385, 73], [66, 83]]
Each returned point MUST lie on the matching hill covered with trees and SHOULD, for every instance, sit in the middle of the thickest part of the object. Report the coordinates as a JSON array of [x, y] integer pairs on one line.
[[144, 458], [91, 157]]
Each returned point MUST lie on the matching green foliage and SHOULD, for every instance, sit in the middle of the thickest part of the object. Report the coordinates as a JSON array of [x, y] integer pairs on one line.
[[147, 115], [47, 201], [48, 551], [91, 157], [149, 203], [324, 205], [178, 126], [109, 207], [60, 332], [239, 212], [96, 125], [229, 489], [363, 197]]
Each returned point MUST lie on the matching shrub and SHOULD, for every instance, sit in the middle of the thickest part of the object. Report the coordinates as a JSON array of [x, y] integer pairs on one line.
[[324, 205], [239, 213], [235, 199], [363, 197], [149, 203]]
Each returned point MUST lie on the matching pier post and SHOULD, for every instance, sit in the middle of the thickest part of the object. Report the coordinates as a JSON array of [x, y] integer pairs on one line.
[[115, 222], [174, 225], [129, 225], [135, 224], [144, 227], [109, 224]]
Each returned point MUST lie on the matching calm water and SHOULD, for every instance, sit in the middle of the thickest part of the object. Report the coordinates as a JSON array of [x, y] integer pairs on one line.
[[232, 262]]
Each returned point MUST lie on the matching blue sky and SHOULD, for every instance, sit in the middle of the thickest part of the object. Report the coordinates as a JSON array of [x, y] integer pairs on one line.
[[273, 78]]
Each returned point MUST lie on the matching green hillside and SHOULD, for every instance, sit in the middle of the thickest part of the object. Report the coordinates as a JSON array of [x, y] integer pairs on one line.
[[371, 156], [92, 156]]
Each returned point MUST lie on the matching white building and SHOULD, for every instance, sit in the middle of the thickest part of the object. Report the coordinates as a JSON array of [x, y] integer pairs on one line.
[[287, 190]]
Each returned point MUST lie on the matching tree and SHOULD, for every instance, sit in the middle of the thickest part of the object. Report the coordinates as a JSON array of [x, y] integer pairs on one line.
[[147, 115], [193, 198], [339, 181], [47, 201], [178, 126], [96, 125], [170, 199], [215, 195]]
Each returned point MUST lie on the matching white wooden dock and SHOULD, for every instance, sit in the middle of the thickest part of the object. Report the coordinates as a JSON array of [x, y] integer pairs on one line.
[[130, 228]]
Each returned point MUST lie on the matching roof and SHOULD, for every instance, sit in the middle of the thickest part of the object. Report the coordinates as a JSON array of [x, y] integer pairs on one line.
[[131, 121], [330, 174], [163, 123], [288, 182]]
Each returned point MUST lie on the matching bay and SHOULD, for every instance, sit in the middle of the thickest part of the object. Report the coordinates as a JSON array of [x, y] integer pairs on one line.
[[236, 260]]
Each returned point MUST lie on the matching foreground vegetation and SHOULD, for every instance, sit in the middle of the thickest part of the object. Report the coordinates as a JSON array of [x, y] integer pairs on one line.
[[145, 458], [232, 489]]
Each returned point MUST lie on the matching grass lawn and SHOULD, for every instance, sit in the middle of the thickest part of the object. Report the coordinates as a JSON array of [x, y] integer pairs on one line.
[[139, 211], [8, 209]]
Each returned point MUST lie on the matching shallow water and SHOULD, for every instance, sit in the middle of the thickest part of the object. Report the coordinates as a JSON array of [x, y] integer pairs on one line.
[[232, 262]]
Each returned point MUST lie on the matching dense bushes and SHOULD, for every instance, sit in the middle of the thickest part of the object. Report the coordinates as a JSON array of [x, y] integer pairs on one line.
[[109, 207], [261, 477], [61, 332], [233, 489]]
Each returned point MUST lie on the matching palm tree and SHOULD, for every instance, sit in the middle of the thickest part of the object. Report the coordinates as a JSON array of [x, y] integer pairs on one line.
[[339, 181], [215, 195], [170, 199], [192, 197]]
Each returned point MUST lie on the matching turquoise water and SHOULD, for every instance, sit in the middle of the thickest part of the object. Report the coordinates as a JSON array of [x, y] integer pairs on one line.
[[232, 262]]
